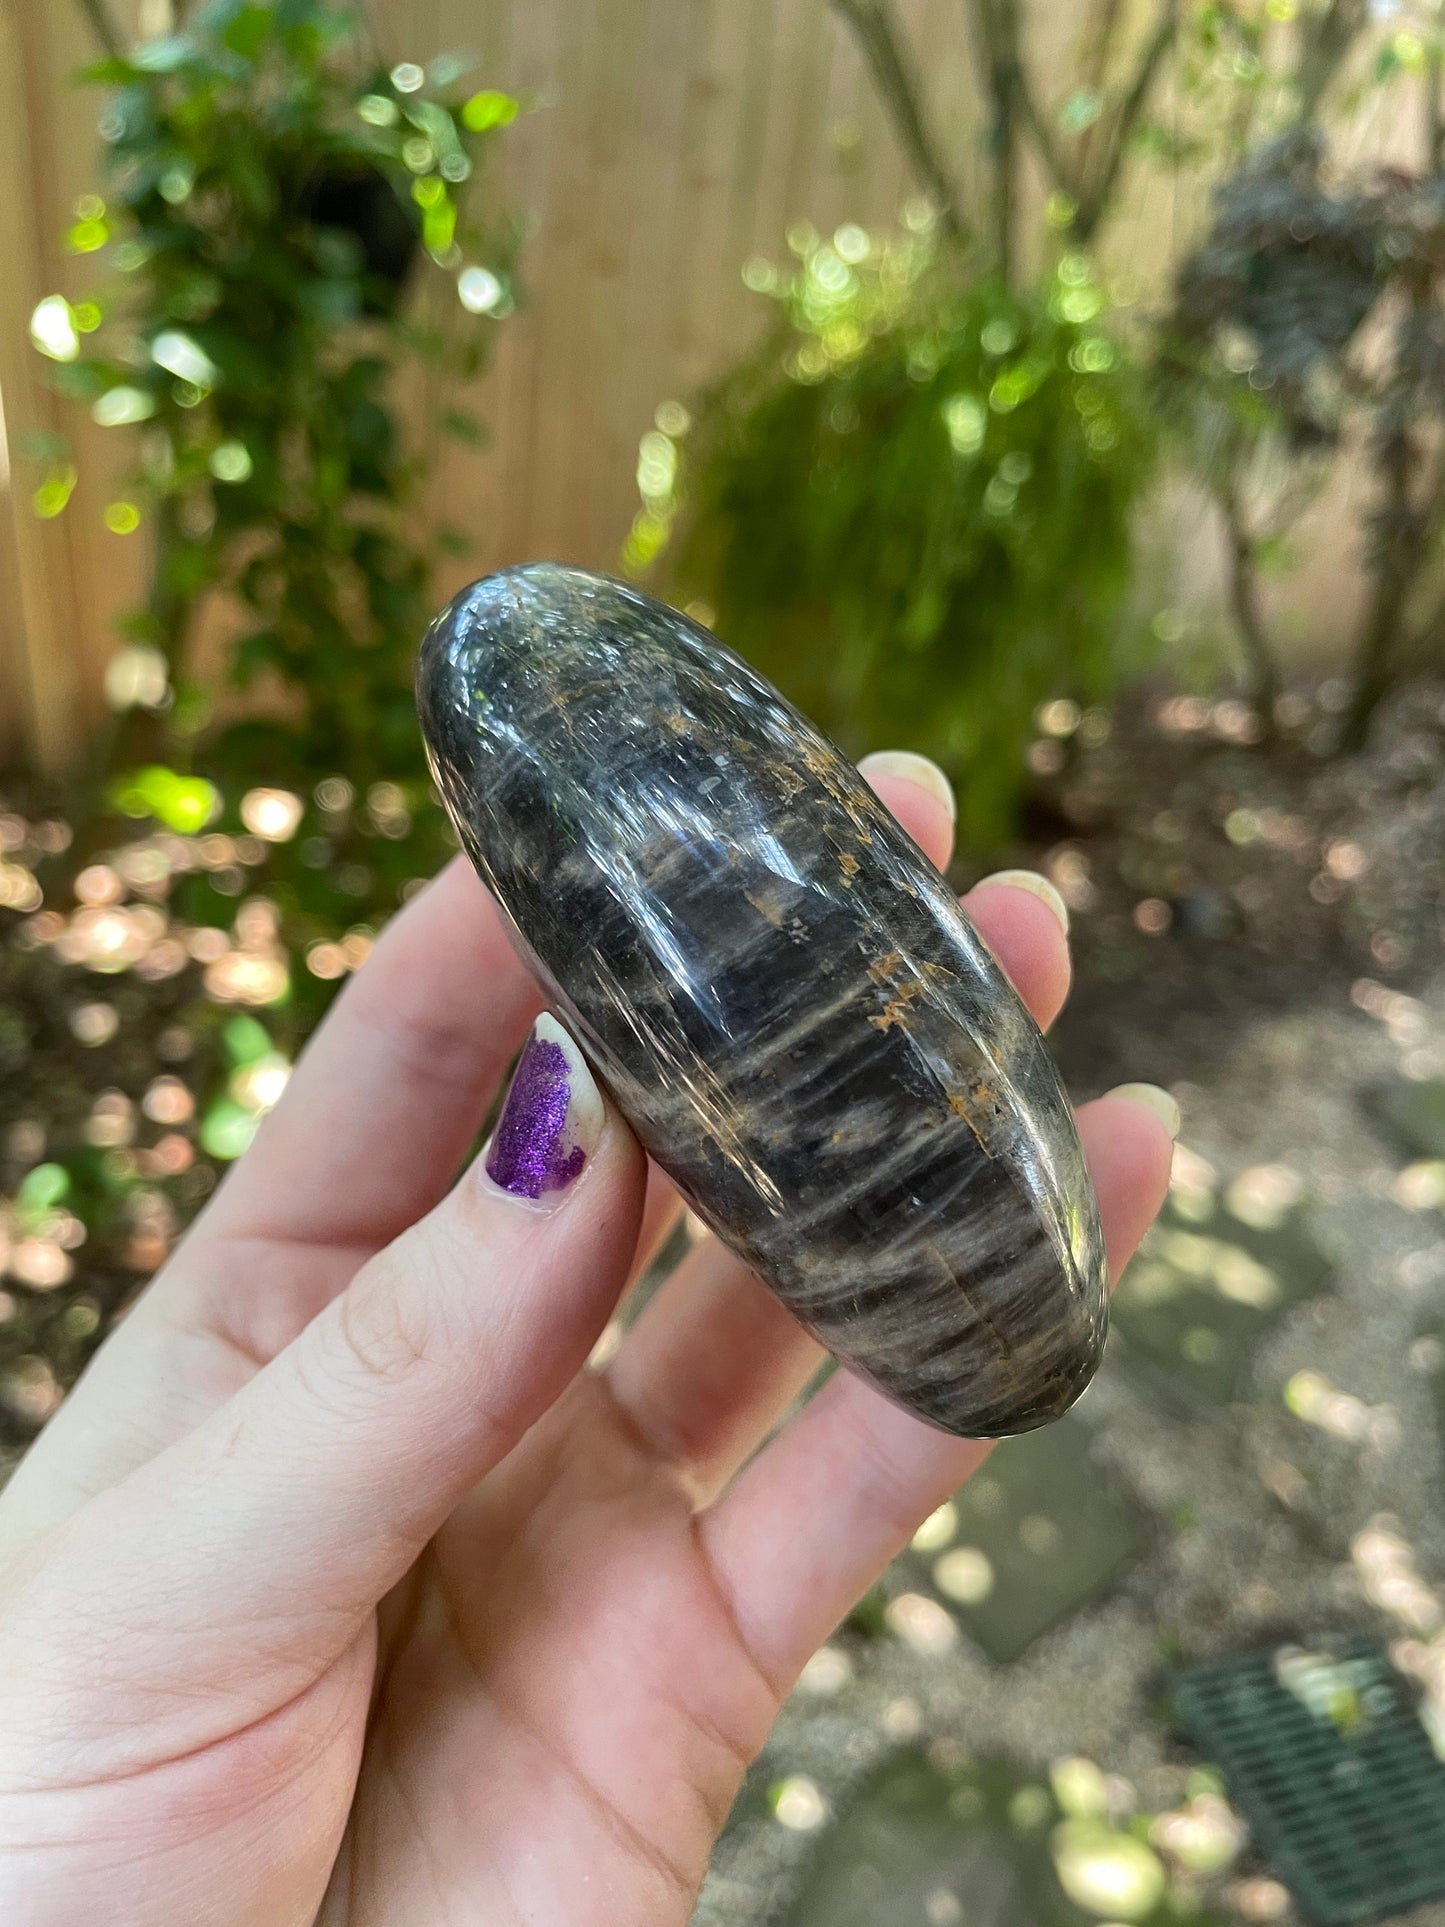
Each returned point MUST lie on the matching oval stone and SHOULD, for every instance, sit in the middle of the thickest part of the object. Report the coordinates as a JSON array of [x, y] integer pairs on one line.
[[779, 990]]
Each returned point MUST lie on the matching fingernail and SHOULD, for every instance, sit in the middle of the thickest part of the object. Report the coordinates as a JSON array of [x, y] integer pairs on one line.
[[914, 769], [552, 1119], [1153, 1099], [1036, 886]]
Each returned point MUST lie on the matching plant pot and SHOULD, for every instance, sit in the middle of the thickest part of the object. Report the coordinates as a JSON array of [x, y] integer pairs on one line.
[[359, 199]]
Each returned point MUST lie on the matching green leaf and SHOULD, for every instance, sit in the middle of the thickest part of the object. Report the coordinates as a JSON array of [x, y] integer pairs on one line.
[[246, 33], [227, 1130], [184, 804], [254, 653], [112, 72], [246, 1040], [489, 109], [464, 427], [42, 1189]]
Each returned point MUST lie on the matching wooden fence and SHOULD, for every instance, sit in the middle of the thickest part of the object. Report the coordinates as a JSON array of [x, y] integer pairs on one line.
[[674, 139]]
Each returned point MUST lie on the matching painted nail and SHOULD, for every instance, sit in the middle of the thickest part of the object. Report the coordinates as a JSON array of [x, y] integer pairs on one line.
[[1153, 1099], [914, 769], [1036, 886], [551, 1120]]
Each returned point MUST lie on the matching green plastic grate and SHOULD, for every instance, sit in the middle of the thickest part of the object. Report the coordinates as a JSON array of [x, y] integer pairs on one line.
[[1326, 1758]]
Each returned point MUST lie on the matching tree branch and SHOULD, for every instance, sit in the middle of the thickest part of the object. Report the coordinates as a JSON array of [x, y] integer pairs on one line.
[[1100, 42], [996, 26], [103, 27], [1098, 60], [1244, 602], [1407, 533], [878, 35], [1094, 204], [1325, 46], [1061, 174]]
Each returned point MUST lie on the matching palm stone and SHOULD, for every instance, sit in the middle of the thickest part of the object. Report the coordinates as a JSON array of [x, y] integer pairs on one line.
[[779, 990]]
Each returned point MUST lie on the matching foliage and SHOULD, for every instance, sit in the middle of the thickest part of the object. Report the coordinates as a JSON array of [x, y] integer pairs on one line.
[[1311, 319], [269, 183], [913, 507], [820, 508]]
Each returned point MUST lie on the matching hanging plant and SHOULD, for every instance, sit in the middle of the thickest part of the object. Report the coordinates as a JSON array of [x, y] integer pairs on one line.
[[273, 189]]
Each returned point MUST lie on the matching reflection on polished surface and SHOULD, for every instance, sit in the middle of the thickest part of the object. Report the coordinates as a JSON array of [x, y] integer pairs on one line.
[[780, 991]]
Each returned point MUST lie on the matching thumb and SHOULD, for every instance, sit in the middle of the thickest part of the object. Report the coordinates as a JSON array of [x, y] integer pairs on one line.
[[308, 1495]]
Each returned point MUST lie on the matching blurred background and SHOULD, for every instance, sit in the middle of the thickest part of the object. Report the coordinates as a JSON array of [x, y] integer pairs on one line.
[[1056, 389]]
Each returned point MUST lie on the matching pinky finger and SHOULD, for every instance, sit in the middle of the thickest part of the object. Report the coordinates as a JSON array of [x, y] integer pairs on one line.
[[803, 1532]]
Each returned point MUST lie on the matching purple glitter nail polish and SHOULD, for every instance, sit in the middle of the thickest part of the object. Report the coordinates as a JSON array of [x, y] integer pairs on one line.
[[551, 1118]]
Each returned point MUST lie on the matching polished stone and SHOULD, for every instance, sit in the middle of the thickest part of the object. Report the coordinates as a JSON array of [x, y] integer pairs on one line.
[[779, 990]]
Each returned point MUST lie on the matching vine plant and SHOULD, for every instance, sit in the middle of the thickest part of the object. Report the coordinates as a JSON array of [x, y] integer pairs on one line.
[[270, 177]]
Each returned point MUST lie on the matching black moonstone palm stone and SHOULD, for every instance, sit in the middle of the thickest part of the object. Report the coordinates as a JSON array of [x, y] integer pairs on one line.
[[779, 990]]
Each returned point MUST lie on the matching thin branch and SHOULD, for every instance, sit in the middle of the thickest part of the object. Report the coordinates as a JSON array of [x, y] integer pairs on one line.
[[103, 27], [1413, 537], [1058, 170], [1098, 60], [995, 26], [1100, 43], [1244, 602], [1095, 203], [1408, 533], [1325, 45], [878, 35]]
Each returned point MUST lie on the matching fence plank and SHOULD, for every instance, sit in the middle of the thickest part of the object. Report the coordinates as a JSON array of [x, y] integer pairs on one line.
[[674, 139], [39, 626]]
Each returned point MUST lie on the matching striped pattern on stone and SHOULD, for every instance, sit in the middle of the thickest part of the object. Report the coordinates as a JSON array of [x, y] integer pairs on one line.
[[781, 993]]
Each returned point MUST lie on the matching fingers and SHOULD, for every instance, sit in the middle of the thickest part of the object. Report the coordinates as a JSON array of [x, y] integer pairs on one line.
[[709, 1367], [660, 1212], [1128, 1138], [286, 1515], [1023, 920], [381, 1110], [809, 1525], [1019, 913], [919, 795]]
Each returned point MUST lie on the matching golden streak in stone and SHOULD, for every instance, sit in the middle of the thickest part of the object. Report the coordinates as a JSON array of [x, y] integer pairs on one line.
[[779, 990]]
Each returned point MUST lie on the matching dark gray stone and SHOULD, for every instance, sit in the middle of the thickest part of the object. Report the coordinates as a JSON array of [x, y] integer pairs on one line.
[[779, 990]]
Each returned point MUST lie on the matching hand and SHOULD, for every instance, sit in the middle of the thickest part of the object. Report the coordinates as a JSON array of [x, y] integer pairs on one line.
[[341, 1590]]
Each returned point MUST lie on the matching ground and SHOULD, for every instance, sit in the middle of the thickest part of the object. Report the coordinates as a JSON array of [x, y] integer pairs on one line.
[[1262, 932], [989, 1741]]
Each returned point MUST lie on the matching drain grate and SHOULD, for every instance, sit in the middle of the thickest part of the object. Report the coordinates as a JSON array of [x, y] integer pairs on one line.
[[1327, 1760]]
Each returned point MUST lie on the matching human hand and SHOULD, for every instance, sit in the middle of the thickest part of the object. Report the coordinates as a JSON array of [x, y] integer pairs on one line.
[[342, 1590]]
